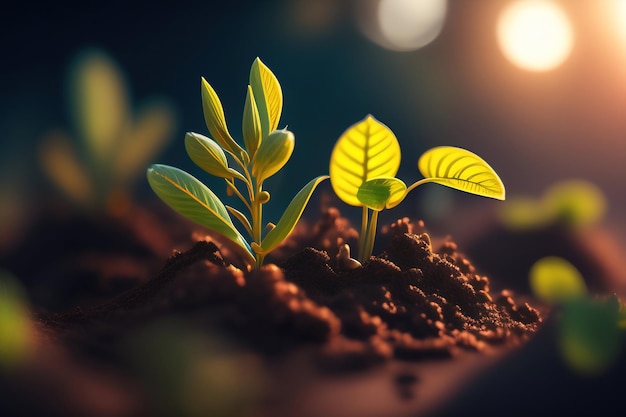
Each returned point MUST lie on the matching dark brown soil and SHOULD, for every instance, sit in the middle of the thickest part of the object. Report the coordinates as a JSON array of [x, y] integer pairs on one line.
[[410, 302]]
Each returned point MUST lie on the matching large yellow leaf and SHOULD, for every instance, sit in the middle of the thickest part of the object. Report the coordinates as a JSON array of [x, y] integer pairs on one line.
[[367, 150], [460, 169]]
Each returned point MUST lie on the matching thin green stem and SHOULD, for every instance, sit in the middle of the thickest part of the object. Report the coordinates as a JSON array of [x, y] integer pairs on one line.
[[363, 234], [418, 183], [371, 236], [231, 184]]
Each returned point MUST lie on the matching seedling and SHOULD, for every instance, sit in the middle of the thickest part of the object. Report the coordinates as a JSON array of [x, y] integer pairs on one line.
[[266, 150], [591, 329], [110, 144], [364, 163]]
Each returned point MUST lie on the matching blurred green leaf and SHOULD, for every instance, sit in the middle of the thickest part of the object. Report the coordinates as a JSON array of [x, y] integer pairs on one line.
[[590, 339], [576, 203], [554, 280], [15, 325]]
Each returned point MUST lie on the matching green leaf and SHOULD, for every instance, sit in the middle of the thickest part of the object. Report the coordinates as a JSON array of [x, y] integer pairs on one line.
[[151, 132], [576, 203], [189, 197], [267, 94], [460, 169], [215, 120], [381, 193], [99, 103], [590, 338], [241, 217], [251, 124], [208, 155], [290, 217], [273, 154], [555, 280], [366, 150]]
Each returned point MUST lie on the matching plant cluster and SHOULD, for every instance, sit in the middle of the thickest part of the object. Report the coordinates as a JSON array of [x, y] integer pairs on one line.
[[266, 150], [363, 166], [110, 143]]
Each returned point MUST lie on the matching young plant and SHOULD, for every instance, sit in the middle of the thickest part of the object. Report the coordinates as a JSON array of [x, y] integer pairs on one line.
[[266, 150], [364, 163], [111, 144]]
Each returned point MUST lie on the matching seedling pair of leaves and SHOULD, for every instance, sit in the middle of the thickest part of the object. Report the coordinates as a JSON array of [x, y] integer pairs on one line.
[[110, 145], [591, 329], [366, 159], [265, 151]]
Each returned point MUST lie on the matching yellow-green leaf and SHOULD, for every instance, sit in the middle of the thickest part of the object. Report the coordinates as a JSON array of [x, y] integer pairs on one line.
[[215, 120], [59, 161], [554, 280], [251, 124], [290, 217], [99, 103], [576, 203], [194, 200], [241, 217], [208, 155], [151, 132], [366, 150], [273, 154], [461, 169], [16, 328], [380, 193], [267, 94]]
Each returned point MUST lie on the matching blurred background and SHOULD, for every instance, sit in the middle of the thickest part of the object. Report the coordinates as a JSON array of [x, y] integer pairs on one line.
[[534, 87]]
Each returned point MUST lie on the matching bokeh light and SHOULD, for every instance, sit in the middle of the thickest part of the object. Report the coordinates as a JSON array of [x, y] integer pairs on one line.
[[535, 35], [404, 25]]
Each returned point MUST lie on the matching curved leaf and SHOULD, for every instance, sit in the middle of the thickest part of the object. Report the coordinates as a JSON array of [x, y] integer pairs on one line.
[[366, 150], [267, 94], [381, 193], [461, 169], [251, 124], [290, 217], [189, 197], [208, 155], [273, 154], [215, 120]]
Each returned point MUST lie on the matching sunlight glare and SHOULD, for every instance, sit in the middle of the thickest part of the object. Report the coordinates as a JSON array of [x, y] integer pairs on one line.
[[535, 35], [408, 24]]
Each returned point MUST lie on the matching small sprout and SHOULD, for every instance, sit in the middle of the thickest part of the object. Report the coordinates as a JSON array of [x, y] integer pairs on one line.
[[364, 163], [266, 151], [344, 261]]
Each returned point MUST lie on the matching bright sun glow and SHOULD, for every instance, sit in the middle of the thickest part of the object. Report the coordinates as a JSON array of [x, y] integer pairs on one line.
[[619, 13], [409, 24], [535, 34]]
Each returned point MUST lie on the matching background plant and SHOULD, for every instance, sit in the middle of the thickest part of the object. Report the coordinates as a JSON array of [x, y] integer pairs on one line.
[[266, 150], [110, 144], [364, 163], [591, 328]]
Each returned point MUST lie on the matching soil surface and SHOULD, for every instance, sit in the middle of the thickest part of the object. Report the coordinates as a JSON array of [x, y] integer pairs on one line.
[[412, 302]]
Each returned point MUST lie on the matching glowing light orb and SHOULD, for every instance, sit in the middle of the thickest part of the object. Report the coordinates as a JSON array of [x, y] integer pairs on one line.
[[535, 35], [409, 24]]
